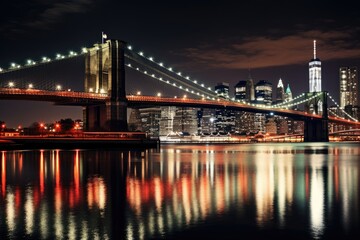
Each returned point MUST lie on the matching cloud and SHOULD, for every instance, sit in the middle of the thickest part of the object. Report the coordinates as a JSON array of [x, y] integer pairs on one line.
[[264, 52], [40, 14], [57, 10]]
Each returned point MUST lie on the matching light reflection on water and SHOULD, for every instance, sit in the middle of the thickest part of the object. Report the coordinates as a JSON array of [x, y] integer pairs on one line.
[[263, 190]]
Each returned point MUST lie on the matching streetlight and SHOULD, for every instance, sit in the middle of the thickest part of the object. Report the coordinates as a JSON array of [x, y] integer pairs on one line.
[[159, 94], [41, 126], [138, 93], [12, 65], [31, 86], [11, 84], [57, 127], [58, 87]]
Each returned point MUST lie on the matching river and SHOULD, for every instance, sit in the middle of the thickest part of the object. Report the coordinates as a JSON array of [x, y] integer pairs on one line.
[[220, 191]]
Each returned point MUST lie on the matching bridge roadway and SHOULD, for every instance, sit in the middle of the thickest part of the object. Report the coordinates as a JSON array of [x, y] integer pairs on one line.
[[87, 98]]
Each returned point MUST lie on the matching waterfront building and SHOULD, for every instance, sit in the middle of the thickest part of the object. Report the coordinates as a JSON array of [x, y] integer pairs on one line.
[[263, 95], [297, 127], [150, 120], [270, 126], [134, 123], [244, 92], [282, 126], [185, 120], [225, 119], [167, 120], [244, 122], [259, 123], [206, 120], [315, 73]]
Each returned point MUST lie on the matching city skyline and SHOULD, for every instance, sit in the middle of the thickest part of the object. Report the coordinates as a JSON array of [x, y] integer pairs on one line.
[[209, 41]]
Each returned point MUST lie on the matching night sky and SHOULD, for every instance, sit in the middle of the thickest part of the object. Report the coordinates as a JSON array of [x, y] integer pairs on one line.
[[213, 41]]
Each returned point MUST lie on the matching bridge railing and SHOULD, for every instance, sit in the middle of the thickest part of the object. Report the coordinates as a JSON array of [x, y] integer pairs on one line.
[[37, 92]]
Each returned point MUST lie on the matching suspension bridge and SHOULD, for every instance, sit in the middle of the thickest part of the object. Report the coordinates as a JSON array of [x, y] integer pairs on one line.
[[105, 100]]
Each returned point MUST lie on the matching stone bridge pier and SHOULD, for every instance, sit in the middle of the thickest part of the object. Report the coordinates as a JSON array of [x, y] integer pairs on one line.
[[105, 73], [316, 130]]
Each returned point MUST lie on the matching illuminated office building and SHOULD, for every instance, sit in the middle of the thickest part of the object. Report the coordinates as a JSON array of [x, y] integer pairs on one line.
[[348, 86], [315, 73], [222, 90], [280, 93], [263, 92]]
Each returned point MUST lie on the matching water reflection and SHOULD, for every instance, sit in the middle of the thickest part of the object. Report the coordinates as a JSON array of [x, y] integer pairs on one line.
[[317, 196], [152, 194]]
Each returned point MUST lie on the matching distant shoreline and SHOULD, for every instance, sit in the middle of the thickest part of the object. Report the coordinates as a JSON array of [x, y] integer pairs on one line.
[[23, 143]]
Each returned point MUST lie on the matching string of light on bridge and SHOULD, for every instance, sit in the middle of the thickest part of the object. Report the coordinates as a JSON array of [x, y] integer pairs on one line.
[[289, 103], [334, 113], [342, 110], [170, 69], [293, 103], [173, 84], [43, 60]]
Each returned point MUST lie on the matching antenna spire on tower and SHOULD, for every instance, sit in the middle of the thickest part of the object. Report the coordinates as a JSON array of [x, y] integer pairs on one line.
[[314, 49], [249, 72]]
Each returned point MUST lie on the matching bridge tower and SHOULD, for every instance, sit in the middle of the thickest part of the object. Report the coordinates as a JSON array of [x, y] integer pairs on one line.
[[105, 73], [316, 130]]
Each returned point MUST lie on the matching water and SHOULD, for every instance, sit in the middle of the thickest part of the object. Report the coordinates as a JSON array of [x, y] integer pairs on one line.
[[240, 191]]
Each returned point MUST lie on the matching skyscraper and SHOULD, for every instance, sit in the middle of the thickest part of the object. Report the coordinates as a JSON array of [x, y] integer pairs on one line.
[[263, 92], [225, 119], [280, 94], [167, 120], [244, 90], [185, 120], [150, 119], [222, 90], [288, 94], [240, 91], [315, 73], [348, 86]]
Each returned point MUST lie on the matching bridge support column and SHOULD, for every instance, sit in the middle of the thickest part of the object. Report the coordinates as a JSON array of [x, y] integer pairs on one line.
[[94, 118], [316, 130], [105, 73], [116, 112]]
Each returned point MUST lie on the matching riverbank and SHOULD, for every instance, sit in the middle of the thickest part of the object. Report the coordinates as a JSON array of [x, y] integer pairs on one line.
[[22, 143]]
